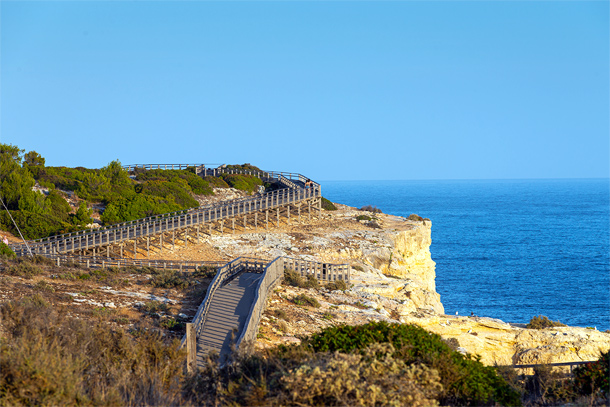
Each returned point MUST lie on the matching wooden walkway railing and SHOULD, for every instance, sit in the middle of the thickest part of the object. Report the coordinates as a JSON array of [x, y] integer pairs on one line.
[[145, 227], [105, 262], [272, 273], [324, 272]]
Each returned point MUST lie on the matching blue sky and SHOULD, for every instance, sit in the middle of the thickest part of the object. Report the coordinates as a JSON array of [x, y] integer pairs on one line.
[[333, 90]]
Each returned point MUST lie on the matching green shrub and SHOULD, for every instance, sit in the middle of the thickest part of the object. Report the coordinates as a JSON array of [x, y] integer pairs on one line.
[[415, 217], [371, 379], [206, 272], [363, 217], [305, 300], [152, 307], [216, 182], [541, 322], [243, 182], [465, 380], [593, 378], [336, 285], [6, 251], [328, 205]]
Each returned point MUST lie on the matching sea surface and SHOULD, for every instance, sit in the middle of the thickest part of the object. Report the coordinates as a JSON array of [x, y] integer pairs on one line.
[[508, 249]]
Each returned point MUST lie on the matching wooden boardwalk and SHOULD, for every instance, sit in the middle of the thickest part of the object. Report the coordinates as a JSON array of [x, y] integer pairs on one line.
[[231, 312], [227, 317]]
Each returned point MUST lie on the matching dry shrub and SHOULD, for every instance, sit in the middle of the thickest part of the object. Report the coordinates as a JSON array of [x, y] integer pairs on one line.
[[23, 268], [541, 322], [374, 378], [303, 299], [50, 359], [336, 285]]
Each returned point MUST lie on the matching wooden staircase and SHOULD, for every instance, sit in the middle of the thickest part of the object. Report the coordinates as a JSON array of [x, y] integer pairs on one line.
[[227, 316]]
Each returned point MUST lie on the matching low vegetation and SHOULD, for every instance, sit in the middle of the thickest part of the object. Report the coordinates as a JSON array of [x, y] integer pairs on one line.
[[370, 208], [50, 358], [541, 322], [328, 205]]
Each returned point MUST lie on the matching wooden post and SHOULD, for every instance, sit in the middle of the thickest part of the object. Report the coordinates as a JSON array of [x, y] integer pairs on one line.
[[186, 236], [174, 239], [267, 218], [233, 224], [256, 221], [121, 246], [288, 209], [147, 244], [161, 243], [135, 249], [278, 216]]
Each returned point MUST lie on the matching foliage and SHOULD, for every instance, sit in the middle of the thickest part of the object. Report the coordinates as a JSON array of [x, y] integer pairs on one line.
[[6, 251], [328, 205], [305, 300], [216, 182], [243, 167], [336, 285], [465, 380], [177, 191], [153, 307], [136, 207], [294, 279], [195, 183], [82, 217], [205, 272], [594, 377], [23, 268], [363, 217], [370, 208], [373, 378], [541, 322], [243, 182], [51, 359], [169, 279], [279, 313], [415, 217]]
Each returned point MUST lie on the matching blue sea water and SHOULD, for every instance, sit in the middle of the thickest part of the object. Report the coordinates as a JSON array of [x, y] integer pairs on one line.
[[508, 249]]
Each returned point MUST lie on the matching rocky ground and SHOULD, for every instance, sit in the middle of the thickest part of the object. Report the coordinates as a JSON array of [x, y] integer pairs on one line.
[[392, 279]]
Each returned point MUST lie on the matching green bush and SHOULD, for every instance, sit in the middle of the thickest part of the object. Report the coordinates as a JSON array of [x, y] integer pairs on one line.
[[328, 205], [465, 380], [593, 378], [152, 307], [206, 272], [216, 182], [541, 322], [363, 217], [6, 251], [303, 299], [176, 190], [415, 217], [243, 182]]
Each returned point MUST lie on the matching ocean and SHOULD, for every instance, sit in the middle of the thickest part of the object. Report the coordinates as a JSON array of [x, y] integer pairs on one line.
[[508, 249]]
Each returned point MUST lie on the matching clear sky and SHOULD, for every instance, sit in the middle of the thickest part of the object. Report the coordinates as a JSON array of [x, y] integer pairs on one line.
[[334, 90]]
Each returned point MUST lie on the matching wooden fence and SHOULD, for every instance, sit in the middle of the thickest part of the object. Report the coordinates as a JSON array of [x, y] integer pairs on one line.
[[324, 272], [105, 262], [145, 227], [273, 274]]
